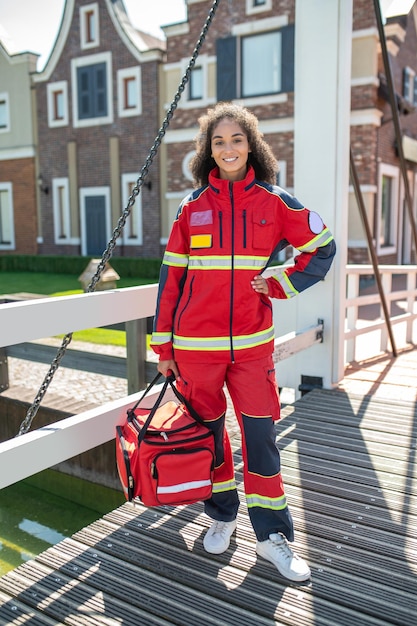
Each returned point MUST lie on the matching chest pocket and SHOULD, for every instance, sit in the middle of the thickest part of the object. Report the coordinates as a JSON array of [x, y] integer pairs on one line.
[[201, 227], [263, 229]]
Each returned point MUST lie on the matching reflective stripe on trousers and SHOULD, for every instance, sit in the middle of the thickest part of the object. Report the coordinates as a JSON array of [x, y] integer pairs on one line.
[[254, 394]]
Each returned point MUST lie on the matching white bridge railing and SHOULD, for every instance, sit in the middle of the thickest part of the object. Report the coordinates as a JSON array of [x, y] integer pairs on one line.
[[36, 319], [366, 331], [31, 320]]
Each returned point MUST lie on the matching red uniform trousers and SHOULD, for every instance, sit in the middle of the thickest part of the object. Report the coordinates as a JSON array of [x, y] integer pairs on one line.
[[254, 393]]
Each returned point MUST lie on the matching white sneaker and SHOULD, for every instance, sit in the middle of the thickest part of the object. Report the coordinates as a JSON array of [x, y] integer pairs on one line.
[[217, 538], [277, 551]]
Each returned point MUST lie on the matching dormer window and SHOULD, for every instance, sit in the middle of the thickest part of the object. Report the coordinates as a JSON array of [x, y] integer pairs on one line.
[[89, 26]]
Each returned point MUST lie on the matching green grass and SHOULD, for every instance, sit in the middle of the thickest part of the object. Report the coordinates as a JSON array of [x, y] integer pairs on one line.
[[64, 285], [102, 336], [52, 284]]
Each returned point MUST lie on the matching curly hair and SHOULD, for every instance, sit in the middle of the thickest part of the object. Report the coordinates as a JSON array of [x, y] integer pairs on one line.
[[261, 156]]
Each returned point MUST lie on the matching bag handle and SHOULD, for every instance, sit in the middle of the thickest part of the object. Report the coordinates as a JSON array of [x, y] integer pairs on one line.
[[181, 398], [147, 390], [168, 381]]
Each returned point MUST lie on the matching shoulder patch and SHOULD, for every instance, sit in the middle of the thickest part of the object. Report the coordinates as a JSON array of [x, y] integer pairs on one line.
[[315, 222], [290, 201]]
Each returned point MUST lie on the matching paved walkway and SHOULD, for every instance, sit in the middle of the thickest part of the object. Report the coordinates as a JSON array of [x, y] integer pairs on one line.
[[68, 383]]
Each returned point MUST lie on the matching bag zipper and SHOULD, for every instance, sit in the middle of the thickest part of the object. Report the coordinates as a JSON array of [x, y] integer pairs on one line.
[[157, 433], [168, 442], [154, 471]]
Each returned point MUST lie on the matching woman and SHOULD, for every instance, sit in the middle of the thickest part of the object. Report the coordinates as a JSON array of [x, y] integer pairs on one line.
[[213, 324]]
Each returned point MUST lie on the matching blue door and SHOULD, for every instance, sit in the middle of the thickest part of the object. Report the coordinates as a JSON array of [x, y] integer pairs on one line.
[[95, 223]]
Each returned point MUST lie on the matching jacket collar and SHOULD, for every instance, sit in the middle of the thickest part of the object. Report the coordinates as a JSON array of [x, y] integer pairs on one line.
[[220, 186]]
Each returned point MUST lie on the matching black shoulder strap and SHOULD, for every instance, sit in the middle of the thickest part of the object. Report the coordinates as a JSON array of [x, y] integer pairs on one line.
[[181, 398], [147, 390]]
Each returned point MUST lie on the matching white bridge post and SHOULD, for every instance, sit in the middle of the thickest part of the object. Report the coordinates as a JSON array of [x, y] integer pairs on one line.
[[323, 43]]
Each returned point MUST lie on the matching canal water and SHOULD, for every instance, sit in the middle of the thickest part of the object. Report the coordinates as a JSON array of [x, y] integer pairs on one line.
[[44, 509]]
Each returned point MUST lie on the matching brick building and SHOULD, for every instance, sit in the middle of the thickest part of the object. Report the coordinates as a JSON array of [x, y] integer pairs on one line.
[[97, 111], [236, 63], [104, 93], [18, 189], [244, 34]]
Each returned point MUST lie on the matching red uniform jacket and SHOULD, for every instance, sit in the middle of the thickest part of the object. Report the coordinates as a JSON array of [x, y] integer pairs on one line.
[[225, 234]]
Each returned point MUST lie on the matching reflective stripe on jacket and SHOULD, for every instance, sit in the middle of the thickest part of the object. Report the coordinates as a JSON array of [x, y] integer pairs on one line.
[[223, 236]]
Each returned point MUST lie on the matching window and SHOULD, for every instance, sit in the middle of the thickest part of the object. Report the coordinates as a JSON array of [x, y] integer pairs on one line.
[[92, 90], [129, 91], [196, 84], [386, 212], [57, 96], [256, 6], [89, 32], [282, 174], [4, 113], [410, 85], [91, 85], [6, 217], [132, 232], [201, 88], [61, 207], [386, 222], [266, 61], [261, 64]]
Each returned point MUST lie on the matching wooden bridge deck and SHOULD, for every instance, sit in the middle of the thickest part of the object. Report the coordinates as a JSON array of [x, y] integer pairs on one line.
[[349, 464]]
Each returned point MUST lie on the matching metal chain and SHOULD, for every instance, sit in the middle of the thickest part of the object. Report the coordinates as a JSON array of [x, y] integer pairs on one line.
[[33, 409]]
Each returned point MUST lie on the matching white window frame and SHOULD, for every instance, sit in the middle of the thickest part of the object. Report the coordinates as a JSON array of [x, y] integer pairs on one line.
[[93, 191], [251, 7], [185, 165], [8, 187], [190, 83], [243, 40], [136, 211], [93, 59], [392, 172], [62, 215], [51, 90], [259, 26], [411, 77], [5, 97], [204, 61], [282, 173], [86, 44], [122, 75]]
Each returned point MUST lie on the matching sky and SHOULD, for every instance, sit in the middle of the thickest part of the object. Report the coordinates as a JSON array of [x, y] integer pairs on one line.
[[32, 25]]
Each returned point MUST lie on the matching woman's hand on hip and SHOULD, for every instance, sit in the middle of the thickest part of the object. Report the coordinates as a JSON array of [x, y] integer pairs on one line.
[[260, 285]]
